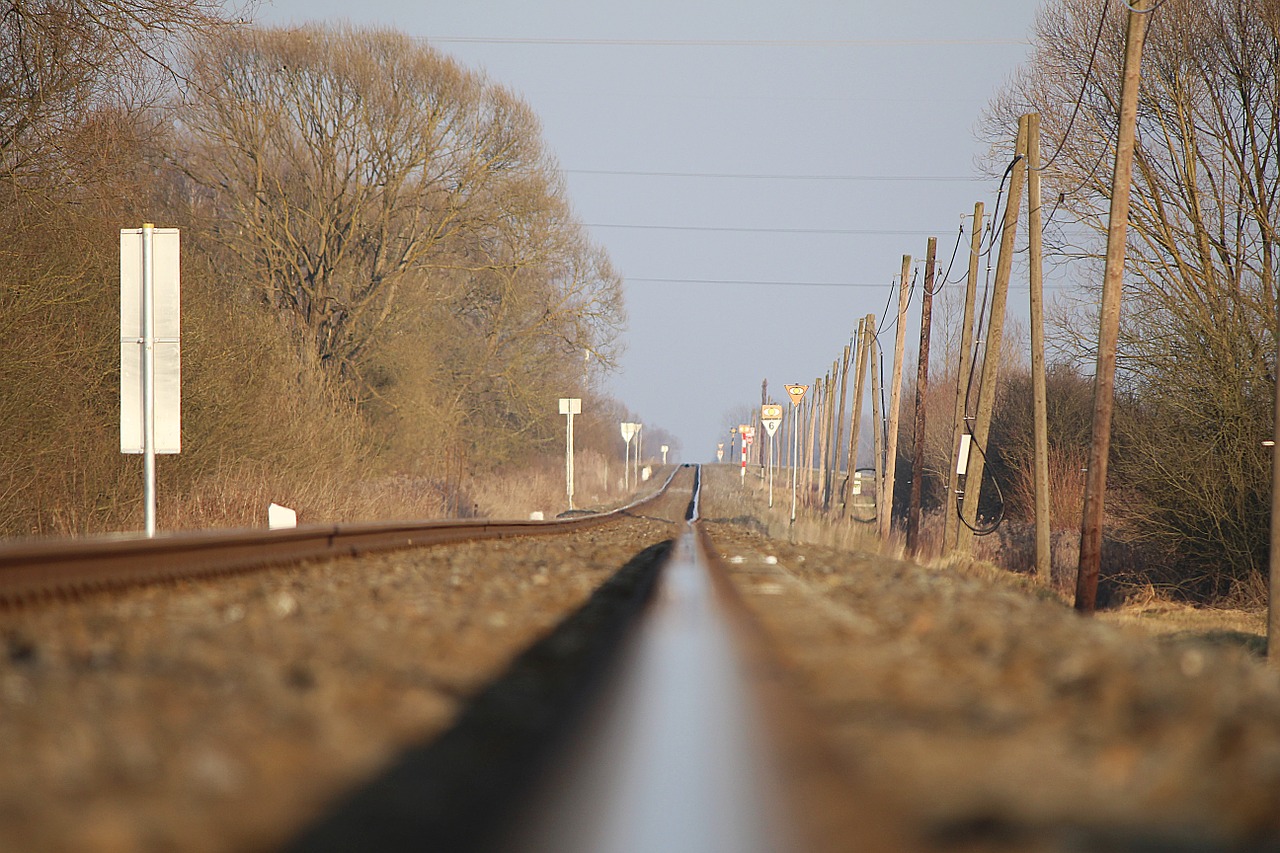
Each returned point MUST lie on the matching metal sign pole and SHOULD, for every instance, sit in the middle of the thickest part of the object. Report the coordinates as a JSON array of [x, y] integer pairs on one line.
[[148, 379]]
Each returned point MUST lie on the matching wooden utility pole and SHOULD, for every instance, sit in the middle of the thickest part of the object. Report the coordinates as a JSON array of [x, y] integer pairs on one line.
[[1273, 591], [895, 397], [952, 523], [1035, 229], [922, 388], [877, 431], [1109, 323], [813, 441], [855, 427], [839, 445], [824, 439], [828, 484], [995, 335]]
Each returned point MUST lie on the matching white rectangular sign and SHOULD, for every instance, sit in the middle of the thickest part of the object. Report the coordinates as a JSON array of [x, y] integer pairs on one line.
[[166, 329]]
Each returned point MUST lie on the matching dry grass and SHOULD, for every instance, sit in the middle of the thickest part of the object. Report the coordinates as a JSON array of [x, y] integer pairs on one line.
[[1008, 558], [598, 484]]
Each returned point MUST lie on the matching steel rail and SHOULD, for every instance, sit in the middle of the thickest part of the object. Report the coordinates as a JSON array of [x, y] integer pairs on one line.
[[677, 755], [35, 570]]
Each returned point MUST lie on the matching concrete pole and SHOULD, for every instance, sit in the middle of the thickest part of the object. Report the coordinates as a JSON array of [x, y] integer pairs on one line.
[[995, 334], [1109, 322], [1039, 393], [952, 524], [895, 397]]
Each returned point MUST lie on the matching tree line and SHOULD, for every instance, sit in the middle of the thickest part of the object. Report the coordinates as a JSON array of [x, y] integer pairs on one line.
[[383, 278], [1197, 364]]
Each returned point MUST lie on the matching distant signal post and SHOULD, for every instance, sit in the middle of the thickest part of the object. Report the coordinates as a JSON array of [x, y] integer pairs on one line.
[[569, 406], [796, 392]]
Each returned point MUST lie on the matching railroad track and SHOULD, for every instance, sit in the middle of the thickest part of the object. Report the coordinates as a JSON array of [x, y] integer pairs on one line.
[[50, 569], [476, 777], [440, 698], [662, 740]]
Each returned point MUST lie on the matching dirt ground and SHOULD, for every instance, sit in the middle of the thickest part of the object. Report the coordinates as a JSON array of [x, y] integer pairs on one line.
[[223, 715], [996, 719]]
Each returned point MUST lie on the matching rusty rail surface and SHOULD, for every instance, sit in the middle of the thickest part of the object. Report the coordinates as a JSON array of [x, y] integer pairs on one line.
[[36, 570]]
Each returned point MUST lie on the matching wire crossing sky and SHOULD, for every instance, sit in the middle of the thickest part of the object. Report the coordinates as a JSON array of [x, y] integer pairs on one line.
[[755, 172]]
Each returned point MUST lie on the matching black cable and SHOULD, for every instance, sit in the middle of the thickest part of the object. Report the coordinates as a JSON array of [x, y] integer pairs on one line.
[[988, 529], [1084, 86], [995, 216], [947, 275]]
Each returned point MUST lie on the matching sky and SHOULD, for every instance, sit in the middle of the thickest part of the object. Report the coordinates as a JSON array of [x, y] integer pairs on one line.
[[756, 171]]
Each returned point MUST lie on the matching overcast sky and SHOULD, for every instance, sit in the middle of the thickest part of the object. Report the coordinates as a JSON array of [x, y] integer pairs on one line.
[[755, 170]]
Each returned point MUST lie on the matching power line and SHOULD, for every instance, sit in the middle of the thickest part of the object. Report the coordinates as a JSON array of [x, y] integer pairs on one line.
[[1084, 85], [619, 42], [730, 229], [779, 177], [850, 284], [765, 283]]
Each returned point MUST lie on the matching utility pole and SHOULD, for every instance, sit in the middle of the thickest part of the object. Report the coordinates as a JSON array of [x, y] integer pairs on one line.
[[1039, 393], [839, 445], [855, 427], [952, 523], [922, 388], [995, 334], [829, 428], [1109, 322], [877, 431], [895, 397], [814, 406]]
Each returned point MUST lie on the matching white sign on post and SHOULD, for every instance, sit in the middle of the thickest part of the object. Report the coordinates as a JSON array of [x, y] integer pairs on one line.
[[569, 406], [628, 433], [150, 363], [166, 311]]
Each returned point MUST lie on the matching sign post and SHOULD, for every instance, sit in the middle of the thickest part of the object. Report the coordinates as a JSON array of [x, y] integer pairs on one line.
[[720, 452], [569, 406], [665, 448], [771, 417], [748, 434], [639, 448], [796, 392], [628, 433], [150, 362]]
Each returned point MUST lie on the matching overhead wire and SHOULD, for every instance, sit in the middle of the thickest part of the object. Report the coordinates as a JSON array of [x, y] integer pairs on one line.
[[1084, 85], [778, 177]]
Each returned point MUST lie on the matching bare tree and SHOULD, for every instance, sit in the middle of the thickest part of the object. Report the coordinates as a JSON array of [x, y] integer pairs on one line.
[[61, 59], [1197, 345], [351, 166]]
